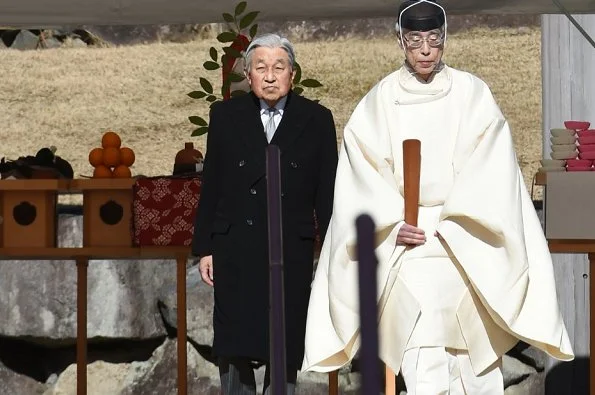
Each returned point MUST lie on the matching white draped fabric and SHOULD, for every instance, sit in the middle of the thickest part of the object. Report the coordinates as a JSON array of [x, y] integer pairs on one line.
[[490, 266]]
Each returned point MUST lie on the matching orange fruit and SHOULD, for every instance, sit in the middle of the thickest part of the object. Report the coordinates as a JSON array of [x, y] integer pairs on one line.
[[96, 157], [122, 171], [111, 156], [102, 171], [111, 139], [126, 156]]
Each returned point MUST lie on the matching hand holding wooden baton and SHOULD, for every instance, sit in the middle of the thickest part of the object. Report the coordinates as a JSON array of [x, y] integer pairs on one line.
[[411, 172]]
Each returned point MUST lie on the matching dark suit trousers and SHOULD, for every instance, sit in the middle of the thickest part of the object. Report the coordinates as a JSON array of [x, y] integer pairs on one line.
[[237, 378]]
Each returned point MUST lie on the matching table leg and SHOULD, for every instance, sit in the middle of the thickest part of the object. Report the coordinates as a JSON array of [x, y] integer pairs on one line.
[[333, 382], [390, 382], [81, 326], [181, 293], [591, 324]]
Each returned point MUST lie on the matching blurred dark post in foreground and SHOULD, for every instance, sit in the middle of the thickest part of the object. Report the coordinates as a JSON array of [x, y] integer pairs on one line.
[[276, 289], [370, 368]]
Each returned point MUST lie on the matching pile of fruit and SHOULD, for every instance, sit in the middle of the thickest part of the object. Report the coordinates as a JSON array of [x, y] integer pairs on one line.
[[111, 160]]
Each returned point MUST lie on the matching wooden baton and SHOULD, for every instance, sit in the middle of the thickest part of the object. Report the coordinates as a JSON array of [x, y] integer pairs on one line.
[[411, 170]]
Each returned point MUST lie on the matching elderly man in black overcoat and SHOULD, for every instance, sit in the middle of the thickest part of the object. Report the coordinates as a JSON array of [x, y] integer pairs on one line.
[[231, 231]]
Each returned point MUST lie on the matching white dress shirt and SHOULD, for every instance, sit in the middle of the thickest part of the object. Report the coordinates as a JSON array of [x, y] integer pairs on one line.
[[264, 116]]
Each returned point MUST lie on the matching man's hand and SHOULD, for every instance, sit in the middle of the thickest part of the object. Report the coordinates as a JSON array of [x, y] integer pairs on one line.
[[411, 235], [205, 266]]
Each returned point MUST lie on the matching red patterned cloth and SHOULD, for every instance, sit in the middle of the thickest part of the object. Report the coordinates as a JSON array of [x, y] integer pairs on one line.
[[163, 210]]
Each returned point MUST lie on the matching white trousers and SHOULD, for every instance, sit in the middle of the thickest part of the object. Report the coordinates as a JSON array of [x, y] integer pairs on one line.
[[447, 371]]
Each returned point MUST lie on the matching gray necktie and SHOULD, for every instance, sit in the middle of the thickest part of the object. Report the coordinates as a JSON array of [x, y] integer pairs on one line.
[[269, 128]]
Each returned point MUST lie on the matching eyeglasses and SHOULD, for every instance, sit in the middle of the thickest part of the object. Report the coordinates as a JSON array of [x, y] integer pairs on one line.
[[416, 41]]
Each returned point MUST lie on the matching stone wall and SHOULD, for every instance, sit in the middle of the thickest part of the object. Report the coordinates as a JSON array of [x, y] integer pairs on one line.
[[131, 329]]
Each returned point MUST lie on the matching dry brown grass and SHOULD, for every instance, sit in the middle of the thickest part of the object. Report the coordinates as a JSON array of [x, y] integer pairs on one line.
[[69, 97]]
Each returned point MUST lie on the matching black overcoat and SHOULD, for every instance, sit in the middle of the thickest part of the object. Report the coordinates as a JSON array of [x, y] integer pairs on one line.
[[231, 221]]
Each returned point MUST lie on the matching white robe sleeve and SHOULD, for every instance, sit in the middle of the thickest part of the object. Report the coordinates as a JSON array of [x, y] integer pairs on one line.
[[490, 225], [365, 183]]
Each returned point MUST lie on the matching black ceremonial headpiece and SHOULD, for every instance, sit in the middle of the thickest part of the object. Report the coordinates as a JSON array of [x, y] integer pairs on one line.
[[421, 15]]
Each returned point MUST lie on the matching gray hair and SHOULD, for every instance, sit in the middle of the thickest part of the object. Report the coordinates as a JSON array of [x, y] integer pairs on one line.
[[271, 41]]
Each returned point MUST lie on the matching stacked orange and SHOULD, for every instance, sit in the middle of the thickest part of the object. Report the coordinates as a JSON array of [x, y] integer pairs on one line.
[[111, 160]]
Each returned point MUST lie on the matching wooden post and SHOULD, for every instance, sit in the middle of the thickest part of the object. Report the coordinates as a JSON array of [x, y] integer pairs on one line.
[[81, 325], [568, 94], [181, 294], [368, 305], [333, 382]]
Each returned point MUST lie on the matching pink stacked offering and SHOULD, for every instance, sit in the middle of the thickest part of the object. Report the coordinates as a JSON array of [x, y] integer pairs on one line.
[[586, 147]]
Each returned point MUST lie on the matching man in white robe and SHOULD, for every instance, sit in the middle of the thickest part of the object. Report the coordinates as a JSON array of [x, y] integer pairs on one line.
[[479, 275]]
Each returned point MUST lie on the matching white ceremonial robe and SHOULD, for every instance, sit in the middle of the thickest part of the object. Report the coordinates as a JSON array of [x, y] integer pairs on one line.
[[440, 371], [491, 269]]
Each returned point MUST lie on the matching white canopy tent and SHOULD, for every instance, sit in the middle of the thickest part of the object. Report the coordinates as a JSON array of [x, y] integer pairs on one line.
[[38, 13]]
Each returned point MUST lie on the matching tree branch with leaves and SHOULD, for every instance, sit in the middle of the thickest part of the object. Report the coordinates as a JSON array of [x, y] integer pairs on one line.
[[242, 30]]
